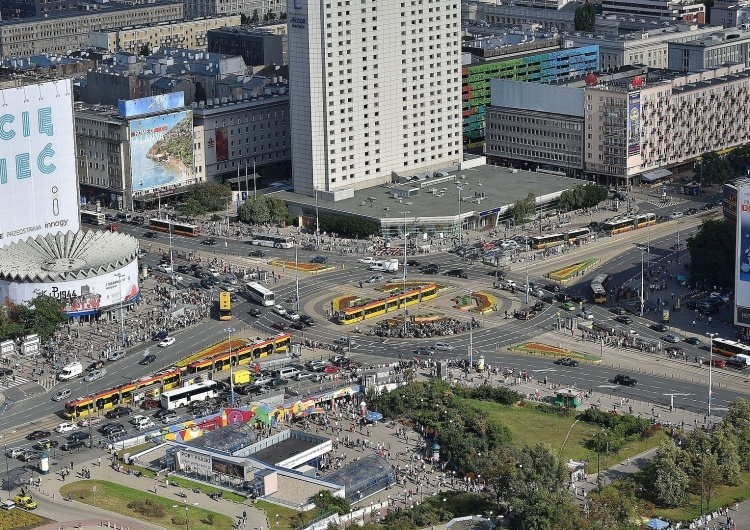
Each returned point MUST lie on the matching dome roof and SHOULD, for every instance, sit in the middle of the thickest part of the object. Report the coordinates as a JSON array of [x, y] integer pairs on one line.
[[66, 256]]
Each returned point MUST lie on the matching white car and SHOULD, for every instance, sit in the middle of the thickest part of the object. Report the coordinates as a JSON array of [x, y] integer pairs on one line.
[[213, 272], [260, 381], [723, 297], [586, 314], [167, 342], [93, 375], [135, 420], [176, 277], [375, 279], [443, 346], [164, 268], [65, 427], [366, 260], [671, 338], [62, 394], [116, 356], [279, 310], [292, 315], [344, 340]]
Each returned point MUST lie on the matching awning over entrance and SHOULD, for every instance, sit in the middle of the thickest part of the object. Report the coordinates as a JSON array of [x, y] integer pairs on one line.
[[656, 174]]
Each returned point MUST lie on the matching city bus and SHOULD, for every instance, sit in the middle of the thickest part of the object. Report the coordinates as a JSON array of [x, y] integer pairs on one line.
[[181, 397], [268, 240], [549, 240], [729, 348], [93, 218], [225, 306], [123, 394], [644, 219], [182, 229], [392, 303], [260, 294], [243, 355], [619, 226], [599, 288], [572, 236]]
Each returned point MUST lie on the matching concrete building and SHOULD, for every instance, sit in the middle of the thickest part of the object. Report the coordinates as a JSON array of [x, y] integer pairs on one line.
[[647, 45], [684, 10], [264, 9], [374, 91], [706, 51], [58, 33], [52, 66], [15, 9], [536, 126], [560, 18], [257, 46], [233, 136], [536, 57], [189, 34], [730, 14], [640, 121]]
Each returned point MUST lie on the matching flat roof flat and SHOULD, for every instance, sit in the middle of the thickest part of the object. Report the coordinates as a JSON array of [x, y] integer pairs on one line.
[[501, 187], [282, 451]]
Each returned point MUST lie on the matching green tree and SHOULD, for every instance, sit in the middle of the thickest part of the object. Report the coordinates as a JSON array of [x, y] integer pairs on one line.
[[200, 92], [523, 208], [271, 15], [613, 508], [327, 502], [709, 4], [713, 167], [283, 16], [585, 17], [712, 254], [9, 326], [669, 480], [42, 315], [581, 197], [277, 208], [243, 19], [192, 209], [255, 211], [255, 19], [710, 474], [211, 196], [736, 426], [145, 49]]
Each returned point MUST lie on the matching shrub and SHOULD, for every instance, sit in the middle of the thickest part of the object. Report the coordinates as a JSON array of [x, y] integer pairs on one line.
[[147, 507], [651, 431], [209, 520], [178, 520]]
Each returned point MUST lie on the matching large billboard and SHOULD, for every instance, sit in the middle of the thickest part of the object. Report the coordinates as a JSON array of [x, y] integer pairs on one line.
[[148, 105], [81, 296], [634, 123], [37, 161], [742, 276], [161, 150]]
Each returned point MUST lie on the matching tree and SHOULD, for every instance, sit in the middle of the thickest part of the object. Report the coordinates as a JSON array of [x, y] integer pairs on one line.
[[523, 208], [736, 426], [271, 15], [611, 507], [42, 315], [585, 17], [255, 211], [327, 502], [9, 326], [192, 209], [255, 18], [277, 208], [200, 92], [713, 167], [669, 481], [709, 4], [712, 254], [283, 16], [145, 49], [211, 196], [581, 197], [243, 19]]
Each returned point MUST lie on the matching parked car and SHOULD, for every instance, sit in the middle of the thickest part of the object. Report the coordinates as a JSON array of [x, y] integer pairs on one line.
[[624, 379]]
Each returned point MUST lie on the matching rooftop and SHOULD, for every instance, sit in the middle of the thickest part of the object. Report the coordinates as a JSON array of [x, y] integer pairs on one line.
[[81, 14]]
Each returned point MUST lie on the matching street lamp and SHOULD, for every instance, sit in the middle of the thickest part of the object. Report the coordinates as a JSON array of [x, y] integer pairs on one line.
[[471, 334], [7, 469], [296, 272], [710, 367], [405, 213], [460, 225], [231, 330], [317, 221], [643, 296], [120, 277], [186, 513]]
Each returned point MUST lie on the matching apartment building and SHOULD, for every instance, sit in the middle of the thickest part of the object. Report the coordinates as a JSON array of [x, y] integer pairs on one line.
[[707, 51], [731, 14], [684, 10], [374, 91], [189, 34], [58, 33], [258, 46], [264, 9]]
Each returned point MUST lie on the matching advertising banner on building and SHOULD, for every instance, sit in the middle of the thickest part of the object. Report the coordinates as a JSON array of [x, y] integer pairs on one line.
[[37, 162], [81, 296], [634, 123], [730, 202], [161, 150], [158, 103], [742, 276], [222, 144]]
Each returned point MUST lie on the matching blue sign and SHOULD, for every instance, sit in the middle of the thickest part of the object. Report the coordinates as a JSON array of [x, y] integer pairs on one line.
[[151, 104]]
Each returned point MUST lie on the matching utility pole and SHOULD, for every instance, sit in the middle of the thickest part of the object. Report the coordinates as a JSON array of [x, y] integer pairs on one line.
[[710, 373], [403, 294]]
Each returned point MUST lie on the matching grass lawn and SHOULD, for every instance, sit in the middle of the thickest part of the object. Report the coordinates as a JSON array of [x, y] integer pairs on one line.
[[287, 517], [723, 496], [529, 426], [116, 498], [20, 519]]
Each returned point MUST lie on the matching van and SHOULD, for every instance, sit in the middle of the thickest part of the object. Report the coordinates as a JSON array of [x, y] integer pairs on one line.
[[126, 217], [69, 371], [676, 215], [287, 372], [387, 265], [740, 360], [144, 423]]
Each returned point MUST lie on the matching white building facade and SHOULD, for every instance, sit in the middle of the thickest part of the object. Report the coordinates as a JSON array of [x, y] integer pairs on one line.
[[375, 89]]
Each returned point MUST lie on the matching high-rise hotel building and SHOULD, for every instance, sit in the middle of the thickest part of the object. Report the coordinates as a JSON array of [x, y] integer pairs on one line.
[[375, 88]]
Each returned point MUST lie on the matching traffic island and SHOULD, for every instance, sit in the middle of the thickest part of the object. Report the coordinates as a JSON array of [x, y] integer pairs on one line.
[[545, 350], [485, 302], [312, 268], [567, 273]]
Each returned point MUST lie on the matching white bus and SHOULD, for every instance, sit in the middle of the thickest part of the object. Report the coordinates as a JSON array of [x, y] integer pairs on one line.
[[181, 397], [268, 240], [260, 294], [93, 218]]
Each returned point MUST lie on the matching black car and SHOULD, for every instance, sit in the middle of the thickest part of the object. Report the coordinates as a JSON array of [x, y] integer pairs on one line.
[[195, 267], [183, 269], [623, 379], [118, 412], [618, 310], [553, 288], [257, 254], [691, 211], [210, 242], [412, 263], [661, 328], [151, 235], [109, 427], [281, 326], [432, 268], [37, 435], [5, 372], [75, 444], [307, 320], [562, 297], [567, 361], [148, 359], [297, 325], [116, 431], [96, 365], [319, 259], [456, 273], [78, 435], [256, 313], [200, 274], [161, 413], [160, 335], [206, 283], [624, 319], [497, 274]]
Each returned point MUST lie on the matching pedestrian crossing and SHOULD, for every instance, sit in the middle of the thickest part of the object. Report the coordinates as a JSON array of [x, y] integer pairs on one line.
[[661, 203], [11, 381]]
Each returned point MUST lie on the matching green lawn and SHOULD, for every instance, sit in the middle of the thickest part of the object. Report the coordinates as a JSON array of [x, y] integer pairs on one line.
[[20, 519], [529, 427], [287, 517], [115, 498]]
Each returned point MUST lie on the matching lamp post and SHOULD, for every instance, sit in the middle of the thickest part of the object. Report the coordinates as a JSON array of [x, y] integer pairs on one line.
[[296, 272], [404, 213], [7, 469], [120, 277], [642, 293], [227, 232], [231, 330], [460, 225], [186, 513], [471, 334], [710, 368], [443, 508], [317, 221]]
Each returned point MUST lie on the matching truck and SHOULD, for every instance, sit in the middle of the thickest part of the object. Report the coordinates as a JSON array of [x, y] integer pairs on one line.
[[25, 501], [241, 377], [740, 360], [69, 371], [387, 265]]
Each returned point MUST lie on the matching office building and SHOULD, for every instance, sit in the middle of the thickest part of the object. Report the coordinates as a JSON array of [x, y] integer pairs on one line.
[[731, 14], [189, 34], [707, 51], [374, 91], [257, 46], [59, 33], [265, 10], [683, 10], [536, 57], [15, 9], [551, 17]]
